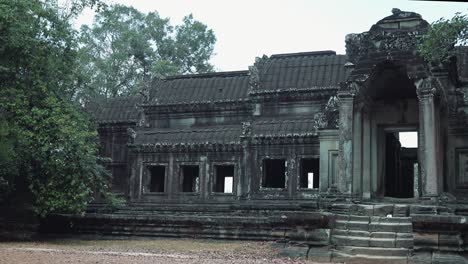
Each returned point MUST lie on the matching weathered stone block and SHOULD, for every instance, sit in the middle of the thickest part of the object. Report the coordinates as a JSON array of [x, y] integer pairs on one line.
[[400, 210], [404, 243], [363, 209], [426, 240], [359, 233], [340, 224], [383, 235], [420, 258], [448, 258], [382, 242], [405, 235], [423, 209], [382, 209], [390, 227], [350, 241], [355, 225], [365, 219], [450, 241]]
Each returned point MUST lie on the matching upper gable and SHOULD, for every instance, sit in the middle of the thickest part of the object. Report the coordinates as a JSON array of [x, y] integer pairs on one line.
[[122, 109], [200, 88], [297, 71]]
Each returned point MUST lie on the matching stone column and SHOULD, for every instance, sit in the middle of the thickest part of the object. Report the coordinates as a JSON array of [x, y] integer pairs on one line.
[[429, 167], [357, 151], [345, 175], [366, 155]]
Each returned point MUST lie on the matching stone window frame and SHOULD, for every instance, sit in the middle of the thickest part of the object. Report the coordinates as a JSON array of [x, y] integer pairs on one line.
[[180, 183], [459, 184], [213, 177], [286, 173], [298, 172], [147, 178]]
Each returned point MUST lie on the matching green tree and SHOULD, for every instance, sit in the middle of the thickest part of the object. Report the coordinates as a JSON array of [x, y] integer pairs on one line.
[[124, 48], [438, 45], [48, 145]]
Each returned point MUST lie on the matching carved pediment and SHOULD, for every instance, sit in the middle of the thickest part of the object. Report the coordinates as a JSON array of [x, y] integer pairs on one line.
[[398, 32]]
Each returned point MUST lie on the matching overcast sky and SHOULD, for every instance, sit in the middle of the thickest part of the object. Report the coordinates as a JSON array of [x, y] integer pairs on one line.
[[246, 29]]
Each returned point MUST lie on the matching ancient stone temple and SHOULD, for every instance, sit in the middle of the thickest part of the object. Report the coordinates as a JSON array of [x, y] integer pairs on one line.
[[304, 147]]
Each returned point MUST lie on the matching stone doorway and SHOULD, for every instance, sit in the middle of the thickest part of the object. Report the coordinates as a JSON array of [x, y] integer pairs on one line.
[[401, 163]]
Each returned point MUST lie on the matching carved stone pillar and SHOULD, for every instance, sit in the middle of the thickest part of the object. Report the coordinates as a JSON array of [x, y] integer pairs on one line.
[[366, 155], [427, 142], [357, 150], [345, 175]]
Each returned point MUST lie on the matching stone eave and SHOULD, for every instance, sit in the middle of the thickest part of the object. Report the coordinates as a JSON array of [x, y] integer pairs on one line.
[[196, 106], [294, 94], [294, 138], [112, 123], [186, 147]]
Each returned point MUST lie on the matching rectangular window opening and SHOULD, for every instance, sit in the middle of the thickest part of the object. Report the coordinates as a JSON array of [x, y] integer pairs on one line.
[[190, 178], [310, 173], [157, 178], [408, 139], [274, 173], [224, 178]]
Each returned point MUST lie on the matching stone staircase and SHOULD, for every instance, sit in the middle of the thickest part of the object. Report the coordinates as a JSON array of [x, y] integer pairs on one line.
[[371, 237]]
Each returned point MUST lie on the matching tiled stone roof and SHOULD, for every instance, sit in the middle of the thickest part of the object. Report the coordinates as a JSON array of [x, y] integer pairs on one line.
[[284, 128], [115, 110], [187, 136], [201, 88], [295, 71]]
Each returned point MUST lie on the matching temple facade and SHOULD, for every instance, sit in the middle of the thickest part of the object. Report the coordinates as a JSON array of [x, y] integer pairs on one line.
[[299, 125], [307, 148]]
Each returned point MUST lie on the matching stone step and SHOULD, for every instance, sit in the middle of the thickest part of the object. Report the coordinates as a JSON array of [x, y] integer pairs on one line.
[[391, 227], [373, 252], [360, 233], [372, 241], [395, 209], [376, 219], [374, 226]]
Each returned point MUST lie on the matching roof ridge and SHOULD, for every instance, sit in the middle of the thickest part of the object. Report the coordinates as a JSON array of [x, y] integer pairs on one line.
[[274, 121], [190, 129], [301, 54], [208, 75]]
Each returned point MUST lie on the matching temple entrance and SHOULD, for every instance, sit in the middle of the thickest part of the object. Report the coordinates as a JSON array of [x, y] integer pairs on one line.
[[401, 163]]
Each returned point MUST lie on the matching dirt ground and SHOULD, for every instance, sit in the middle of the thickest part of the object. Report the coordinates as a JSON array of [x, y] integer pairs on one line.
[[183, 251]]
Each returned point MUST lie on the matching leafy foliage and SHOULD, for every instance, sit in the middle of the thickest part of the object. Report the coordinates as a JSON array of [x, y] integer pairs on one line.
[[48, 145], [437, 46], [125, 48]]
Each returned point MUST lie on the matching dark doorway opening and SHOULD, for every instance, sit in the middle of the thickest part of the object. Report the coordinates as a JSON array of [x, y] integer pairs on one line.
[[157, 178], [274, 173], [309, 177], [190, 178], [224, 178], [401, 161]]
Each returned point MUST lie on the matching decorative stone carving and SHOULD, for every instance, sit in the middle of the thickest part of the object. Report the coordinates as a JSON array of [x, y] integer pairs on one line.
[[331, 112], [254, 73], [131, 135], [246, 129], [427, 87], [254, 77], [387, 36]]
